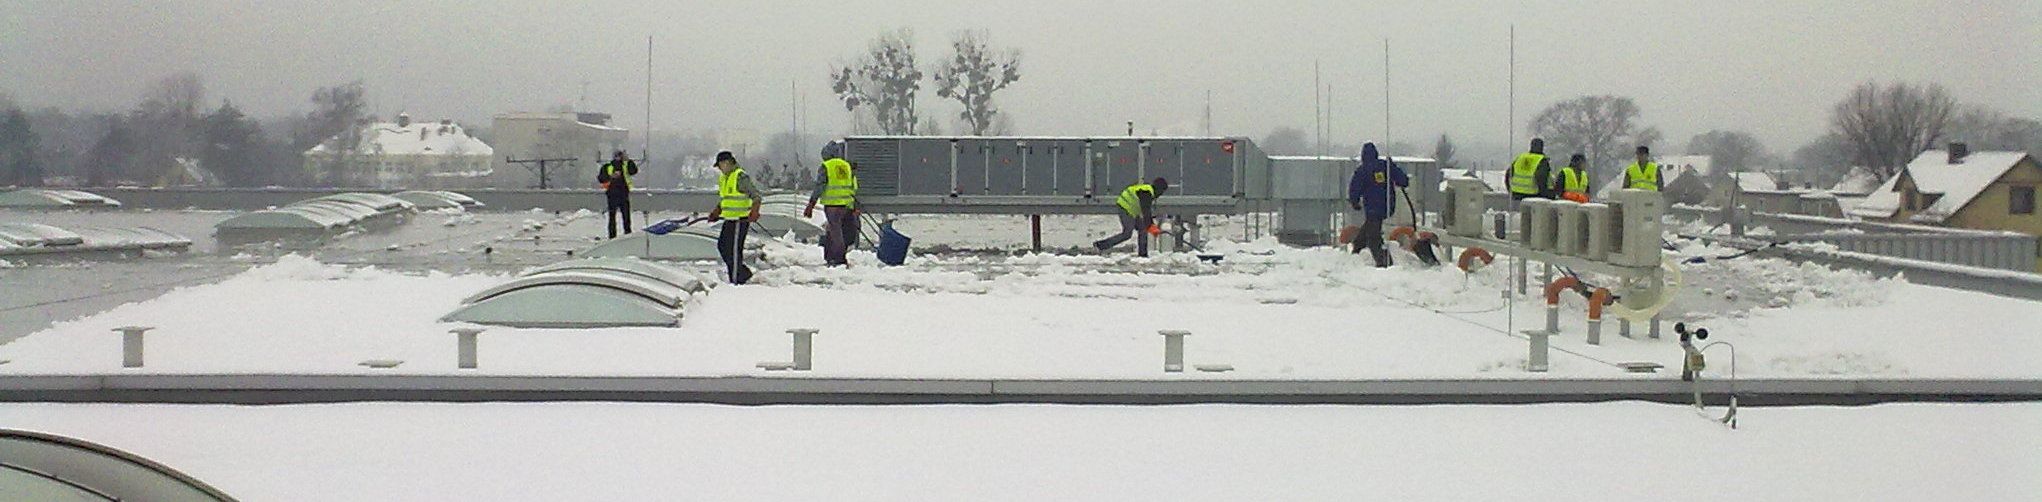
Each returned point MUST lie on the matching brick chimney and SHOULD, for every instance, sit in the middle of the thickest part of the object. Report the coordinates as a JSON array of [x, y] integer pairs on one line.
[[1958, 151]]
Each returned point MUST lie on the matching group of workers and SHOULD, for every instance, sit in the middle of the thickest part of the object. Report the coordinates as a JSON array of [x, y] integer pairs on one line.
[[1370, 192], [738, 203], [1531, 175]]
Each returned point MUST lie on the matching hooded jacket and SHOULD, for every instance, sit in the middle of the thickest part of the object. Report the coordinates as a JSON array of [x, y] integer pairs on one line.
[[1370, 186]]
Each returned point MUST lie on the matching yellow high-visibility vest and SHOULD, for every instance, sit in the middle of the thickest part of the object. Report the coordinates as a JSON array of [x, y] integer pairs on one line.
[[1573, 180], [1645, 177], [618, 173], [842, 189], [1524, 174], [736, 203], [1131, 202]]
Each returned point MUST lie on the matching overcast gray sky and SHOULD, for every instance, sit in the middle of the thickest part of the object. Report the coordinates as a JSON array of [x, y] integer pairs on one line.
[[1771, 67]]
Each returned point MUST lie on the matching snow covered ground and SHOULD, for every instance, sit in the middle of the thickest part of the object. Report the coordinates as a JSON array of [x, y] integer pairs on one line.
[[1271, 311], [608, 451]]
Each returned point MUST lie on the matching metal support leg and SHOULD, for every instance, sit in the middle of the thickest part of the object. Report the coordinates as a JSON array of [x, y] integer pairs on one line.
[[804, 348], [465, 341], [1553, 318], [1595, 332], [1655, 327], [1035, 231], [131, 345], [1540, 344], [1173, 349], [1624, 328]]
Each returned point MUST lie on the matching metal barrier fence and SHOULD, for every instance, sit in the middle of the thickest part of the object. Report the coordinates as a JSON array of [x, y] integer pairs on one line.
[[1975, 248]]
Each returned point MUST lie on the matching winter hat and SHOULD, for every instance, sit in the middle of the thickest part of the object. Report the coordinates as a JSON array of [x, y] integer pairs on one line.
[[1162, 185], [1538, 145], [833, 150], [725, 155]]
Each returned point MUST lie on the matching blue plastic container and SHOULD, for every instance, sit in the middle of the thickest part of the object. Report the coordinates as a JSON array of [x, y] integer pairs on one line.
[[893, 245]]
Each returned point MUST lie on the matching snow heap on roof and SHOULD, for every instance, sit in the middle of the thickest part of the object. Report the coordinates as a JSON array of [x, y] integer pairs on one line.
[[1933, 173], [1859, 181], [405, 137]]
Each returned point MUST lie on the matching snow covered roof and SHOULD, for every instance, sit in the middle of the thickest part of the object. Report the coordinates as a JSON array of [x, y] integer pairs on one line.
[[1675, 166], [47, 198], [1859, 180], [1755, 182], [416, 138], [1933, 173]]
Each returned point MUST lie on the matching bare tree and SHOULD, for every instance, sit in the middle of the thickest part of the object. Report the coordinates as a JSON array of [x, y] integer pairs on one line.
[[972, 74], [1987, 129], [1825, 160], [18, 144], [1285, 140], [1728, 151], [1604, 128], [1887, 126], [1443, 152], [884, 79], [168, 125], [337, 123]]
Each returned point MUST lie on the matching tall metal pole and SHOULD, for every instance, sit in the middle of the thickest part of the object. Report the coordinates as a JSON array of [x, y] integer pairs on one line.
[[645, 151], [1513, 87], [1386, 91], [1318, 111]]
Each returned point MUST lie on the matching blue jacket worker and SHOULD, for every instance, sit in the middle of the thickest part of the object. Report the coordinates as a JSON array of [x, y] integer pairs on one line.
[[1370, 192]]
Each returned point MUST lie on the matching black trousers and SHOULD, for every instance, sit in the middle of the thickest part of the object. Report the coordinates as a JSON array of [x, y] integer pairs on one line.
[[1131, 227], [730, 245], [840, 228], [1371, 238], [620, 203]]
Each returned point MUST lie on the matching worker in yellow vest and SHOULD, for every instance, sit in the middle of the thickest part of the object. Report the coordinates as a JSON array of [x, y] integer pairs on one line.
[[836, 187], [1137, 213], [615, 177], [737, 207], [1643, 174], [1572, 182], [1530, 172]]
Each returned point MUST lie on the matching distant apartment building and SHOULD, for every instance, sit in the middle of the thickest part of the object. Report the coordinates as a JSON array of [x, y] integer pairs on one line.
[[404, 154], [572, 144]]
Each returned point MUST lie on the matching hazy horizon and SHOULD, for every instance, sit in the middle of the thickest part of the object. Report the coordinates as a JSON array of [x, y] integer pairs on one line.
[[1773, 69]]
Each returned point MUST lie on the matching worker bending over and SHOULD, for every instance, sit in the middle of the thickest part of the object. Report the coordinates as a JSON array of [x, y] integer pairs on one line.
[[1370, 192], [836, 187], [737, 207], [1137, 213], [615, 177], [1572, 182]]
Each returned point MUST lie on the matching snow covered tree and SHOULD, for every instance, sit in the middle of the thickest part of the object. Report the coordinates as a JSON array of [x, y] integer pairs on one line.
[[1604, 128], [1728, 151], [885, 80], [1443, 152], [1887, 126], [972, 74]]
